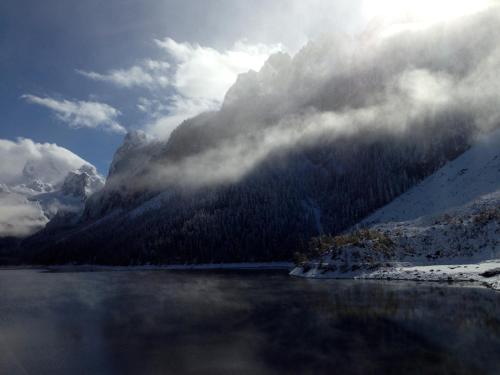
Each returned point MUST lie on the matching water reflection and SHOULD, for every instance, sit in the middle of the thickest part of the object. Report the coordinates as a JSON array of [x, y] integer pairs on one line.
[[241, 323]]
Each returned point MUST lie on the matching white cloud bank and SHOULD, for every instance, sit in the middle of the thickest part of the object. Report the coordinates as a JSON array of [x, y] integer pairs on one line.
[[422, 11], [25, 160], [444, 75], [25, 167], [202, 77], [206, 73], [192, 79], [169, 116], [81, 114], [19, 217], [150, 74]]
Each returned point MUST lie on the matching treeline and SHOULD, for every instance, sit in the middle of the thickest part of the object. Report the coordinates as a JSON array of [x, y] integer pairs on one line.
[[269, 215]]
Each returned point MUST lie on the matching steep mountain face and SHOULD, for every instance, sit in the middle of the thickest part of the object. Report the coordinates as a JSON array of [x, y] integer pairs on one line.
[[267, 216], [71, 195], [309, 145], [452, 217], [82, 183], [128, 164], [471, 177], [44, 192]]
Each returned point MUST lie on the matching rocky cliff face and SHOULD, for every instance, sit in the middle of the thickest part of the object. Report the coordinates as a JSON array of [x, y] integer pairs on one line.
[[71, 195], [82, 183], [28, 206], [309, 144], [452, 217]]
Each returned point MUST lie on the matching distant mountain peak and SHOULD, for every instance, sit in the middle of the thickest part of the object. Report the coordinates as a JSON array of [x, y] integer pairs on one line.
[[82, 183], [136, 138]]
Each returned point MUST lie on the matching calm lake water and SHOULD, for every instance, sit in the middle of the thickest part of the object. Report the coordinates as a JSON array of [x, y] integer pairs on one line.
[[241, 323]]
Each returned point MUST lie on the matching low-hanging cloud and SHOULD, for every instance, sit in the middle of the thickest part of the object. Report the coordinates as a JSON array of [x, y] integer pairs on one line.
[[19, 217], [165, 117], [206, 73], [81, 114], [149, 74], [24, 161], [26, 168], [340, 86], [201, 78], [191, 79]]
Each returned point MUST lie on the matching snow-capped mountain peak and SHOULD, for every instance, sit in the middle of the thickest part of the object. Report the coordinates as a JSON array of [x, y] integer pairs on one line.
[[46, 181], [131, 153], [82, 183]]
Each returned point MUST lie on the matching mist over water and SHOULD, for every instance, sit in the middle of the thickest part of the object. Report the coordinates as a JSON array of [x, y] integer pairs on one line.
[[241, 323]]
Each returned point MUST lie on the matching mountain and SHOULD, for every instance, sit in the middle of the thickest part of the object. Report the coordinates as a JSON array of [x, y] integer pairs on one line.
[[470, 177], [72, 194], [311, 144], [42, 194], [451, 218]]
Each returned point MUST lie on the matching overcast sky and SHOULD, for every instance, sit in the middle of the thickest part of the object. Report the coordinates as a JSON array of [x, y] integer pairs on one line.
[[82, 73]]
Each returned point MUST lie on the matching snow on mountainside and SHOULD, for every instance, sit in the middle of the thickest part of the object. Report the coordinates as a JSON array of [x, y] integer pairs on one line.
[[72, 194], [19, 217], [451, 218], [312, 143], [134, 155], [37, 181], [472, 175]]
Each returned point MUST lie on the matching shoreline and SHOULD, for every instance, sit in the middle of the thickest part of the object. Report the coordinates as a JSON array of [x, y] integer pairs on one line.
[[464, 274], [197, 267], [485, 274]]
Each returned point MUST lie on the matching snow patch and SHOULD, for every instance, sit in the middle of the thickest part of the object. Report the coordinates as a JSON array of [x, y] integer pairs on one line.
[[445, 229], [474, 174]]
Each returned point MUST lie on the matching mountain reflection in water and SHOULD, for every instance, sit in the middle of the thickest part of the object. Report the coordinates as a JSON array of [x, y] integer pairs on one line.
[[241, 323]]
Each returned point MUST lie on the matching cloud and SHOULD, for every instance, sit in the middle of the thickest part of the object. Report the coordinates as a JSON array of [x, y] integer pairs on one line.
[[81, 114], [24, 161], [150, 74], [201, 77], [27, 168], [19, 217], [422, 11], [190, 80], [167, 117], [340, 87], [206, 73]]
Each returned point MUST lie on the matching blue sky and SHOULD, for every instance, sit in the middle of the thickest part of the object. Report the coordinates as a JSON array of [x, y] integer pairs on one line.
[[57, 56]]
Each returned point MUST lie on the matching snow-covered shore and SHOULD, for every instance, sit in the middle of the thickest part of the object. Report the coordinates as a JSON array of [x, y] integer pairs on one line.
[[460, 245], [485, 273], [445, 229]]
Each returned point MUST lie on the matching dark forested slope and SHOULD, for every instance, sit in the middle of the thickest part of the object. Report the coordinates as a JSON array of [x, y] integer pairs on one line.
[[310, 144]]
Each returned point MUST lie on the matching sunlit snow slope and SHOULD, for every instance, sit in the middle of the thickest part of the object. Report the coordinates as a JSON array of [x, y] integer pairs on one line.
[[471, 176]]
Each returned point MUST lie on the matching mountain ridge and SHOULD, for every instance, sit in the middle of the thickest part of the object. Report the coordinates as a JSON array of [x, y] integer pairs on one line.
[[450, 218], [312, 143]]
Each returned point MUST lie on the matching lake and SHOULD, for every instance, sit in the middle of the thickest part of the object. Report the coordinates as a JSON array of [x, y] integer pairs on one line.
[[239, 322]]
